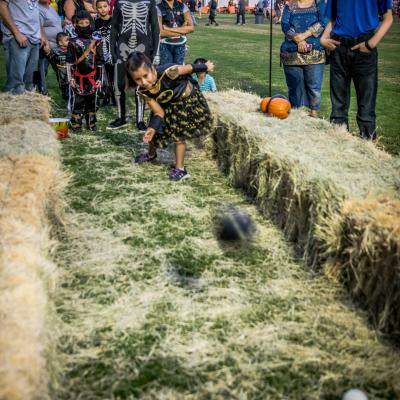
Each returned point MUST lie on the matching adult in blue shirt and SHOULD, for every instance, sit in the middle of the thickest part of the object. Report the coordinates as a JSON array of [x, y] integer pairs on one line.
[[352, 36]]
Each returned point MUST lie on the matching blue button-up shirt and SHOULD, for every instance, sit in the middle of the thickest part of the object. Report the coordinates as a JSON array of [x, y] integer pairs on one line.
[[353, 18]]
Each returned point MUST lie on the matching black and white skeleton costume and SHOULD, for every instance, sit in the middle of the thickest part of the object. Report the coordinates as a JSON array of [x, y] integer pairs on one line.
[[103, 32], [134, 28]]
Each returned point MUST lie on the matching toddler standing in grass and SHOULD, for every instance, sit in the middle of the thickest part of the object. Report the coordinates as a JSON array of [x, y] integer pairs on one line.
[[179, 110], [57, 58], [206, 82]]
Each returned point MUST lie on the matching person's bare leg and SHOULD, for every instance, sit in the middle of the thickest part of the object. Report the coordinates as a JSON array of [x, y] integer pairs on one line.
[[152, 149], [180, 149]]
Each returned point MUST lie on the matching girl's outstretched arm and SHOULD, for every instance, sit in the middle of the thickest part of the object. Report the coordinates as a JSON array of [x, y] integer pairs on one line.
[[156, 120], [190, 68]]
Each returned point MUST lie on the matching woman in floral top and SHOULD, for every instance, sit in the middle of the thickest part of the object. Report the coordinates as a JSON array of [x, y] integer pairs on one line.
[[302, 55]]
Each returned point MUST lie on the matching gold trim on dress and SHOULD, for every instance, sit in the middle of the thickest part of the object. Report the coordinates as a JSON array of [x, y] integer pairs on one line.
[[296, 58]]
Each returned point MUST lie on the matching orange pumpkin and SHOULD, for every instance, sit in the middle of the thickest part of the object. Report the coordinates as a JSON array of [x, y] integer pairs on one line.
[[278, 106]]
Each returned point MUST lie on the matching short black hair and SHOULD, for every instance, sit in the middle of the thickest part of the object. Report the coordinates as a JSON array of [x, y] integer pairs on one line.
[[60, 35], [135, 61], [101, 1], [200, 60]]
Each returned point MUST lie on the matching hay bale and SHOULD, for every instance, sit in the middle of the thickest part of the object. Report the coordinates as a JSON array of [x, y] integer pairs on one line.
[[301, 171], [29, 137], [30, 189], [23, 107], [363, 250]]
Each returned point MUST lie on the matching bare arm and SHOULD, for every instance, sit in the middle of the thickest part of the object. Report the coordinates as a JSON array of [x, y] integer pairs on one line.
[[7, 20], [326, 41], [188, 69], [164, 31], [90, 6], [157, 111], [44, 42], [379, 34], [156, 108], [188, 27], [69, 9]]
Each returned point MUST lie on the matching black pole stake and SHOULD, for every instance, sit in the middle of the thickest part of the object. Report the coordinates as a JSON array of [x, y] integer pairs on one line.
[[270, 50]]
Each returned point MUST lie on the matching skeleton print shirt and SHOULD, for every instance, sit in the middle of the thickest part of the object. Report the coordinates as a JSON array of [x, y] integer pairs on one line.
[[103, 32], [134, 28]]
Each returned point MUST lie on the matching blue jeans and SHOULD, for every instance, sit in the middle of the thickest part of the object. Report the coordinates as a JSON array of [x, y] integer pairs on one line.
[[304, 83], [21, 63], [43, 69], [170, 54]]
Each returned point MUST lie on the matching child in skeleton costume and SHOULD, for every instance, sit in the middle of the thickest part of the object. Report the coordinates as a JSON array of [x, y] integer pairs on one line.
[[85, 71], [134, 28], [102, 27], [179, 110]]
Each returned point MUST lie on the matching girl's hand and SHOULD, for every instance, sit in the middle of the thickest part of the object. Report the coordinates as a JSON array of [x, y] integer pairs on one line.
[[210, 66], [148, 136], [99, 84], [72, 83]]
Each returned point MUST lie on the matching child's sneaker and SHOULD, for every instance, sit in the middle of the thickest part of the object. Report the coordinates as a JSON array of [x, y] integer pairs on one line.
[[177, 174], [146, 157], [117, 124]]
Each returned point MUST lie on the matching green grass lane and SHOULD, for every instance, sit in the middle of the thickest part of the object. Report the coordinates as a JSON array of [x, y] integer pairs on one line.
[[154, 307]]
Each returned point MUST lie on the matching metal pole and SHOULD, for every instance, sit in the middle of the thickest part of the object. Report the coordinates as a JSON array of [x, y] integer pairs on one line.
[[270, 50]]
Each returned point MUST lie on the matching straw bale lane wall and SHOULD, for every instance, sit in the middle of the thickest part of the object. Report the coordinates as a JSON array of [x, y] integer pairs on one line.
[[29, 106], [301, 172], [363, 249], [31, 185]]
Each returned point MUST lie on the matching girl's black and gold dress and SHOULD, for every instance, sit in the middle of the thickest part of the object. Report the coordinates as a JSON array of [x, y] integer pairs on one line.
[[186, 110]]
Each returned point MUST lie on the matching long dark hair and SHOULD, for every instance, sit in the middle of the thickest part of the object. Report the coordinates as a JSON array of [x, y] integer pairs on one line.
[[135, 61]]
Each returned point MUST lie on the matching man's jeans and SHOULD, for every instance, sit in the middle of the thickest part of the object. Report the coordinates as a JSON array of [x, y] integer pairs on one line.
[[362, 68], [304, 83], [21, 62], [43, 69], [172, 54]]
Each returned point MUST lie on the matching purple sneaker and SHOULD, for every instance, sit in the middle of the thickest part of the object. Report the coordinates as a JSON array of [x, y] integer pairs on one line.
[[177, 174], [146, 157]]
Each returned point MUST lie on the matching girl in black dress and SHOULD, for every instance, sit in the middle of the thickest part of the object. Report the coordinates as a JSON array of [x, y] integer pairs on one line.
[[179, 110]]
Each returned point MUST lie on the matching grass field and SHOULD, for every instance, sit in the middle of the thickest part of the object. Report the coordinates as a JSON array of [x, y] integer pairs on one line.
[[152, 306]]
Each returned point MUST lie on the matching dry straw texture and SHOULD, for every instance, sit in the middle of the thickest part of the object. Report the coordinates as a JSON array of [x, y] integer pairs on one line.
[[29, 189], [364, 253], [156, 308], [29, 137], [300, 169], [23, 107]]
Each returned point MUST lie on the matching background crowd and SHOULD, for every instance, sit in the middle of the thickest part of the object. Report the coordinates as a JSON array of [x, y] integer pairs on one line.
[[90, 60]]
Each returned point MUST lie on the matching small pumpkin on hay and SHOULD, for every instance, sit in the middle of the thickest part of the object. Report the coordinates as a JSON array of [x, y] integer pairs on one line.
[[277, 106]]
